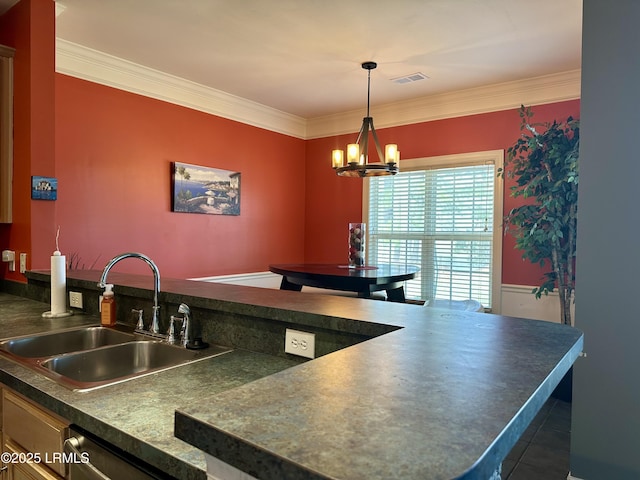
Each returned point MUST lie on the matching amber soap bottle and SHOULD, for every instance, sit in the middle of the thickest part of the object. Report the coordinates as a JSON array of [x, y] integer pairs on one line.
[[108, 307]]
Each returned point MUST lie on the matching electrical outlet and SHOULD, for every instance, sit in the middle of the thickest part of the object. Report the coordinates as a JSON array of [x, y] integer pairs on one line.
[[23, 262], [75, 299], [300, 343]]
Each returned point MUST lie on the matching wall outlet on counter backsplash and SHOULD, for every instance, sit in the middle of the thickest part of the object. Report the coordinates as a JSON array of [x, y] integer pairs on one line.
[[75, 299], [300, 343]]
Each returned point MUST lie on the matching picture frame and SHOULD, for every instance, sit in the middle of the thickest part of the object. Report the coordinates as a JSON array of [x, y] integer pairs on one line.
[[44, 188], [204, 190]]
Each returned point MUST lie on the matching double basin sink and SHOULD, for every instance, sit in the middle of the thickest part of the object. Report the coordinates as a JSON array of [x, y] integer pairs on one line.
[[90, 357]]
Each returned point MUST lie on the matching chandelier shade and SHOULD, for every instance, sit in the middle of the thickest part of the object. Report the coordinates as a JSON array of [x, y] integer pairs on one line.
[[357, 158]]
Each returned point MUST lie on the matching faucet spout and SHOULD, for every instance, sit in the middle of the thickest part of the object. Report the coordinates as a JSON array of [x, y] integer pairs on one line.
[[155, 327]]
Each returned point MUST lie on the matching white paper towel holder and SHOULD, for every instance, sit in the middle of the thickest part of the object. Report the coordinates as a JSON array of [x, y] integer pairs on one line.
[[58, 283]]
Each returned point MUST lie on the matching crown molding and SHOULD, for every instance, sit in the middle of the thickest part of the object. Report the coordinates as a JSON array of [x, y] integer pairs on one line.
[[503, 96], [94, 66]]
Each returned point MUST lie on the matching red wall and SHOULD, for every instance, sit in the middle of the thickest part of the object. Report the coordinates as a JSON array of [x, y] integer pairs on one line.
[[114, 150], [29, 27], [332, 201], [112, 157]]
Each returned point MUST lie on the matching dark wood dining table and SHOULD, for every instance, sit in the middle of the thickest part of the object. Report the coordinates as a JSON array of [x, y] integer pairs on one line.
[[361, 280]]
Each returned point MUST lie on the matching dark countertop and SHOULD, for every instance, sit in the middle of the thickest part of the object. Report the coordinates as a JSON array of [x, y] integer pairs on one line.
[[438, 394], [136, 416], [445, 397]]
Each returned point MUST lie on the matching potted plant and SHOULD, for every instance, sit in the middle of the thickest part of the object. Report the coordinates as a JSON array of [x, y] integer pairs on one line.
[[544, 164]]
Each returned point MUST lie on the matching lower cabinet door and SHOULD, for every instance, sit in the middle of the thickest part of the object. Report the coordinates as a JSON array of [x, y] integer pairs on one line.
[[25, 471]]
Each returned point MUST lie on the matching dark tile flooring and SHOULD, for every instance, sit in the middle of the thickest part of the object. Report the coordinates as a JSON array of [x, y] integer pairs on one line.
[[542, 453]]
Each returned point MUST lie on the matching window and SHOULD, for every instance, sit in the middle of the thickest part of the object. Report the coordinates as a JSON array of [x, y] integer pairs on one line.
[[444, 215]]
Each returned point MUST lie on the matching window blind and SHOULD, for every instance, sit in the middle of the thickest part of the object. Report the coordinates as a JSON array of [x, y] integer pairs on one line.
[[440, 220]]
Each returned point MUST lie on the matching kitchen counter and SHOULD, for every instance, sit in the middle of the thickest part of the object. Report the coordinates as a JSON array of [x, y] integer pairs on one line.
[[445, 397], [436, 394], [136, 416]]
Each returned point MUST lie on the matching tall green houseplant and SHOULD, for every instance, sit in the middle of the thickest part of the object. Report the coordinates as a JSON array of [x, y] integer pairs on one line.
[[544, 164]]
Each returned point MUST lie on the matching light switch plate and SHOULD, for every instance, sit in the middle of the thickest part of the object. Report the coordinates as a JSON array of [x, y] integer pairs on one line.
[[300, 343]]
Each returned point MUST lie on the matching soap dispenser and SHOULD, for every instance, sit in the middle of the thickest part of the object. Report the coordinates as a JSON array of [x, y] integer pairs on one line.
[[108, 307]]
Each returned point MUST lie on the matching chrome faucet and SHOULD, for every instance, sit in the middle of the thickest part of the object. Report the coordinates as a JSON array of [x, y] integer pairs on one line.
[[154, 327]]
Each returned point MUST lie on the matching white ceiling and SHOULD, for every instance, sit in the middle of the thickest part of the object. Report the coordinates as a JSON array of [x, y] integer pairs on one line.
[[303, 56]]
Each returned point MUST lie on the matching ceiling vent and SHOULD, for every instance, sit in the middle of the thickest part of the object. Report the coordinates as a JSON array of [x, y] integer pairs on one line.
[[414, 77]]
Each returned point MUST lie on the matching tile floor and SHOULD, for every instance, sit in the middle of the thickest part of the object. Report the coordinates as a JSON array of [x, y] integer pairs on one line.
[[542, 453]]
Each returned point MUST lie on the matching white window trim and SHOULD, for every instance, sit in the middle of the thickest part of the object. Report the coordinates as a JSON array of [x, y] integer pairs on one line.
[[458, 160]]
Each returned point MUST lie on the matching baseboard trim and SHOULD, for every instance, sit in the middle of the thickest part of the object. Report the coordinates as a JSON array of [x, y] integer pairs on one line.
[[518, 301], [254, 279]]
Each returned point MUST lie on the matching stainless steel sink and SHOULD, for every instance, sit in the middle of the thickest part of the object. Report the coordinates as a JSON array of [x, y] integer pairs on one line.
[[86, 358], [56, 343], [117, 363]]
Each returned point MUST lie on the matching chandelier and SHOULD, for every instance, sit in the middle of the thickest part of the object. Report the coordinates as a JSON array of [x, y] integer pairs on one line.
[[358, 153]]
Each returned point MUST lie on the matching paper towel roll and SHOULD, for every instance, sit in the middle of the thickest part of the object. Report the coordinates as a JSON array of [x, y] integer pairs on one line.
[[58, 287], [58, 284]]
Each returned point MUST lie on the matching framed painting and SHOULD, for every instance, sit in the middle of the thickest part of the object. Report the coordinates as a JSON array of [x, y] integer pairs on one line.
[[44, 188], [211, 191]]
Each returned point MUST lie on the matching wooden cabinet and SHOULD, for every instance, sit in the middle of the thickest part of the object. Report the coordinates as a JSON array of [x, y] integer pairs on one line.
[[34, 437], [25, 471], [6, 133]]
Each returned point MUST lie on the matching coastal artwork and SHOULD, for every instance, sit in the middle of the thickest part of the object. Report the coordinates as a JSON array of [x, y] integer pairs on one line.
[[207, 190], [44, 188]]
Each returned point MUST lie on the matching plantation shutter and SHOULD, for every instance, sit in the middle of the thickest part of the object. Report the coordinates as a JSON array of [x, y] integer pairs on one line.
[[440, 220]]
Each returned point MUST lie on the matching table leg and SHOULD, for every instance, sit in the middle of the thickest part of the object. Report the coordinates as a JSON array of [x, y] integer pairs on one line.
[[396, 295], [287, 285]]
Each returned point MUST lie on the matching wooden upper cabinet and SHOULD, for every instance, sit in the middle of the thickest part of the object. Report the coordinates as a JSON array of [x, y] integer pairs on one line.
[[6, 133]]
